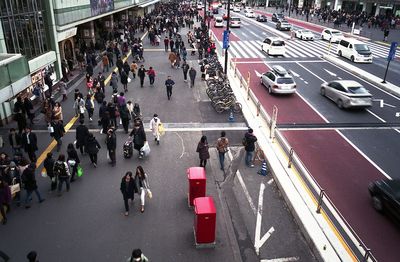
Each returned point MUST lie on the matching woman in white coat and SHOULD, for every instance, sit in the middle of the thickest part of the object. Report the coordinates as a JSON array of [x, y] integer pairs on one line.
[[142, 186], [154, 123]]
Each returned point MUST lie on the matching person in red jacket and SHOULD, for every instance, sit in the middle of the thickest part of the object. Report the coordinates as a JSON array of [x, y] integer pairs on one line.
[[152, 75]]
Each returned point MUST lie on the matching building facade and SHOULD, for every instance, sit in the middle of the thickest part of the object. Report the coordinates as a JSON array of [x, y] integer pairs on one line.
[[37, 35]]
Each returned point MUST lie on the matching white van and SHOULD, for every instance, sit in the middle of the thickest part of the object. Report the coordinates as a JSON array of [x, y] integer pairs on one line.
[[273, 46], [354, 50]]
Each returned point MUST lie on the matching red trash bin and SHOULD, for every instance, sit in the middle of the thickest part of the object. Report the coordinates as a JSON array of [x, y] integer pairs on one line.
[[197, 183], [205, 217]]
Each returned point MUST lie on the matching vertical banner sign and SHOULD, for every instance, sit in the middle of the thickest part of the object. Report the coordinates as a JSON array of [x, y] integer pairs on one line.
[[392, 51], [225, 39]]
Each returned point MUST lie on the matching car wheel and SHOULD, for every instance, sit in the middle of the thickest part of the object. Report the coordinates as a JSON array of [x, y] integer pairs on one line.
[[340, 52], [322, 37], [269, 90], [301, 37], [322, 91], [340, 103], [377, 203], [352, 58]]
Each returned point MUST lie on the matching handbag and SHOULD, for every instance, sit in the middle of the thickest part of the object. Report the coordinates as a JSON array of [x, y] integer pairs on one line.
[[43, 173], [82, 110], [15, 187], [149, 194], [79, 171], [50, 129], [146, 148], [161, 129]]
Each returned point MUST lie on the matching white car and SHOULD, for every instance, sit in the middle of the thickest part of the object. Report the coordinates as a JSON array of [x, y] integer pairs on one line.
[[332, 35], [278, 81], [219, 22], [304, 34], [199, 6], [273, 46], [234, 22], [247, 9], [236, 9], [250, 14]]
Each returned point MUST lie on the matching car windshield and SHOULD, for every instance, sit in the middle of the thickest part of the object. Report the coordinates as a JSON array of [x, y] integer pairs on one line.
[[361, 47], [278, 43], [285, 80], [306, 32], [279, 15], [235, 19], [357, 90], [336, 33]]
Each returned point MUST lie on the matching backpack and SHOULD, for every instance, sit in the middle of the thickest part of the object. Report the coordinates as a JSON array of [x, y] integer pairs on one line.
[[244, 141], [221, 145], [59, 169]]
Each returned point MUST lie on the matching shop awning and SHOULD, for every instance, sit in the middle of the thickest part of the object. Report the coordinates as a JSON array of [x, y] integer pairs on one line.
[[149, 3]]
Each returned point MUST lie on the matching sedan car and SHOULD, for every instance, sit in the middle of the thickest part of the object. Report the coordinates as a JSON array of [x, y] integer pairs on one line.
[[250, 14], [385, 195], [304, 34], [277, 17], [219, 22], [236, 9], [261, 18], [347, 93], [234, 22], [278, 81], [332, 35], [283, 25]]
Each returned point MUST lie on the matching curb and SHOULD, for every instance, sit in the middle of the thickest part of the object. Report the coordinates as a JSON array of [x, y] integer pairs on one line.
[[388, 87]]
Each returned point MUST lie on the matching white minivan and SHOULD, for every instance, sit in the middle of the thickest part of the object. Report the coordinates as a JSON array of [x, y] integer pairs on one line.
[[354, 50], [273, 46]]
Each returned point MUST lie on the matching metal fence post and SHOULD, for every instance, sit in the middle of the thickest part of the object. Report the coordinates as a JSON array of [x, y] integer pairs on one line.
[[321, 195], [290, 158], [258, 108]]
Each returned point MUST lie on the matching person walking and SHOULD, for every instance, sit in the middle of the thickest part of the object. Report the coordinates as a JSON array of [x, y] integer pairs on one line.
[[63, 89], [106, 62], [142, 185], [5, 200], [202, 149], [48, 164], [89, 106], [92, 148], [127, 188], [29, 181], [166, 43], [141, 74], [125, 117], [29, 143], [172, 58], [124, 81], [385, 34], [139, 136], [81, 135], [101, 79], [222, 148], [249, 141], [61, 171], [58, 132], [114, 82], [169, 83], [72, 160], [29, 110], [111, 142], [133, 67], [185, 69], [155, 122], [192, 76], [137, 256], [15, 140], [152, 75], [79, 106], [57, 112]]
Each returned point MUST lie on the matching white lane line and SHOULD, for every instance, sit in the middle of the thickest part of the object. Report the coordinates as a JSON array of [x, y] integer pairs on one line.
[[270, 181], [246, 192], [243, 33], [241, 51], [256, 35], [284, 259], [266, 236], [303, 52], [249, 50], [233, 50], [375, 115], [323, 81], [257, 235], [254, 48]]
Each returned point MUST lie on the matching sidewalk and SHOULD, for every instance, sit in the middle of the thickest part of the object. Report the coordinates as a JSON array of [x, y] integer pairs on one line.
[[374, 34]]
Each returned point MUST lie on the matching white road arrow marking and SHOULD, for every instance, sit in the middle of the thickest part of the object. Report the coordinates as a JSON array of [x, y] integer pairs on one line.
[[283, 259], [305, 82], [264, 33], [258, 242], [397, 114], [258, 73], [254, 34], [329, 72], [294, 73], [382, 104]]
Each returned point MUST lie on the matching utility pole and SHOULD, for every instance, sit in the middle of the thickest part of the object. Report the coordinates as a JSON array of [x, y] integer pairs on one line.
[[205, 13], [227, 29]]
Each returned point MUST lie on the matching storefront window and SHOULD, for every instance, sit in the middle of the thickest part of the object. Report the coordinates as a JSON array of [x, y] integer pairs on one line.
[[23, 27]]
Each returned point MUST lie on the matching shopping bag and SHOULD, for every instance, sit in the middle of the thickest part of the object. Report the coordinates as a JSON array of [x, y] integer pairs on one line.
[[146, 148], [82, 110], [149, 194], [129, 79], [50, 129], [43, 172], [120, 121], [161, 129], [79, 171], [15, 187]]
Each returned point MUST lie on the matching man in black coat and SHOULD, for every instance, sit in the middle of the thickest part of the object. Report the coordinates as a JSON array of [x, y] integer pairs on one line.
[[29, 143], [82, 133], [185, 69], [15, 140], [139, 136], [141, 74], [249, 141], [111, 142], [192, 76], [58, 132]]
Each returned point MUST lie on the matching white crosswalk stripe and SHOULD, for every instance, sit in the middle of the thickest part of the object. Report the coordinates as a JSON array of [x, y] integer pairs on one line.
[[299, 49]]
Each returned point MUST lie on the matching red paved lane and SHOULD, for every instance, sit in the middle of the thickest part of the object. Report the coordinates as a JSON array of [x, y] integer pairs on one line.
[[220, 31], [335, 164]]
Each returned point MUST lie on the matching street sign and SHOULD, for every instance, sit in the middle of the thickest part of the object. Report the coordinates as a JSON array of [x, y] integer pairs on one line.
[[225, 39], [392, 51]]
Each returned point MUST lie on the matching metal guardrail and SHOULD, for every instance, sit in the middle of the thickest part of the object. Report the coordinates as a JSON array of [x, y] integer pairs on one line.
[[323, 201]]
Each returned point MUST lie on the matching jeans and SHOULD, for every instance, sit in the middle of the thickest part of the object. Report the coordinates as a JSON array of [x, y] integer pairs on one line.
[[221, 159], [151, 79], [61, 180], [169, 92], [28, 197], [141, 81], [59, 144], [249, 157], [126, 203]]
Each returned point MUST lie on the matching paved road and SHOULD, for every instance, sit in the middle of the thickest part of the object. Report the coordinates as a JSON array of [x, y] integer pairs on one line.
[[87, 223], [342, 161]]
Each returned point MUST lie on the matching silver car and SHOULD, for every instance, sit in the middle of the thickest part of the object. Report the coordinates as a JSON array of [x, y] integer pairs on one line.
[[278, 81], [347, 93]]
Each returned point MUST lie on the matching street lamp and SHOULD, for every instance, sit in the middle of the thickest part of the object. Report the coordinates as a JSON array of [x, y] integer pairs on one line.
[[227, 29]]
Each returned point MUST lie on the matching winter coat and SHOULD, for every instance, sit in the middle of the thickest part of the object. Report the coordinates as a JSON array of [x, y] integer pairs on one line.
[[58, 130], [142, 72], [111, 141], [29, 180], [139, 182], [250, 142], [139, 137], [114, 81], [5, 194], [172, 57], [202, 149], [92, 146], [82, 133], [124, 78], [192, 73], [49, 164], [33, 142], [128, 190], [73, 155], [123, 112], [154, 122]]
